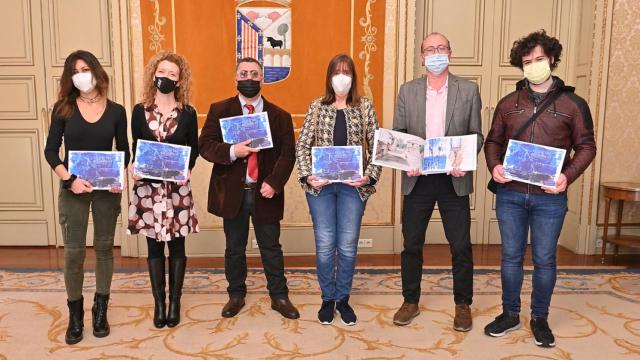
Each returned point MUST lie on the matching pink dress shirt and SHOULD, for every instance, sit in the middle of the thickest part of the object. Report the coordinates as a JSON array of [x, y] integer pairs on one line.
[[436, 103]]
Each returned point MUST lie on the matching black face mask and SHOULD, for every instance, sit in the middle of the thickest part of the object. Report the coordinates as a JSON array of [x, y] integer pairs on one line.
[[249, 88], [164, 84]]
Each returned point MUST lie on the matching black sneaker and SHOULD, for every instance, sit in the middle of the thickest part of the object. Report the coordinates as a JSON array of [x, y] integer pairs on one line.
[[502, 325], [542, 334], [325, 315], [346, 312]]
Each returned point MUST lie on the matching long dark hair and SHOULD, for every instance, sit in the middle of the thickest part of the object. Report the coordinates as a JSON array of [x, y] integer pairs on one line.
[[329, 97], [68, 92]]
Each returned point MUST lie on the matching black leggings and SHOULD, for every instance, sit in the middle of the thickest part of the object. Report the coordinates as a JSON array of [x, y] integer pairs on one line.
[[156, 248]]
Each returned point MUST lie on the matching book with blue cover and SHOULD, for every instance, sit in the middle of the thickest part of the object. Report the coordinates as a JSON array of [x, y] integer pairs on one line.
[[161, 161], [532, 163], [254, 127], [104, 170], [336, 163]]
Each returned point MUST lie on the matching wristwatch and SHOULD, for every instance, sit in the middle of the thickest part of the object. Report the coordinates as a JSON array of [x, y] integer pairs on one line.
[[66, 184]]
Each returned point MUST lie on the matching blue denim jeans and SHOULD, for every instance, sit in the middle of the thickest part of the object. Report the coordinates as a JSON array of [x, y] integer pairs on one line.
[[517, 213], [337, 214]]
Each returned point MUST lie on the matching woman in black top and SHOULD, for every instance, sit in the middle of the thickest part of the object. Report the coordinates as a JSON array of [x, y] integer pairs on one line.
[[163, 210], [87, 120]]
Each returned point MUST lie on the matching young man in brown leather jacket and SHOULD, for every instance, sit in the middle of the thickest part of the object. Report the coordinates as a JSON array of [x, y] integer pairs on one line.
[[565, 122]]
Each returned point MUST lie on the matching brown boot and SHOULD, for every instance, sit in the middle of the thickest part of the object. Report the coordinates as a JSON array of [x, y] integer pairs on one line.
[[406, 313], [462, 321]]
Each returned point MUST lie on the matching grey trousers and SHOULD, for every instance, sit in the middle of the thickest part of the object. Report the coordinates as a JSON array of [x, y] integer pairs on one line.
[[74, 219]]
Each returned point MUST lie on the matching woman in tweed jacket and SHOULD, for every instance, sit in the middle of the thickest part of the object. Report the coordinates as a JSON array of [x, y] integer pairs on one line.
[[339, 118]]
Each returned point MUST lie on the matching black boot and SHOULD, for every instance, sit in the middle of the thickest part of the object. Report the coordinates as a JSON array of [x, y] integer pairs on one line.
[[99, 315], [156, 274], [176, 278], [76, 321]]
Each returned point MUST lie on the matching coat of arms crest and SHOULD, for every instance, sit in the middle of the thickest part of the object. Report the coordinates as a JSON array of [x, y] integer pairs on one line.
[[264, 33]]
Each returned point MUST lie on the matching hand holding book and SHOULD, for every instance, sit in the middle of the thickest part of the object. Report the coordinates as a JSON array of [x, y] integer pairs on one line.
[[243, 149]]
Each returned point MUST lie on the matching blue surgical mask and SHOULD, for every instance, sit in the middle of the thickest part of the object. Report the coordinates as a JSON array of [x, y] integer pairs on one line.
[[436, 63]]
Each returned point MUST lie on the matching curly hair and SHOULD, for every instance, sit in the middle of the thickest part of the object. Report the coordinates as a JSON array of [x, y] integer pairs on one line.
[[182, 93], [525, 45]]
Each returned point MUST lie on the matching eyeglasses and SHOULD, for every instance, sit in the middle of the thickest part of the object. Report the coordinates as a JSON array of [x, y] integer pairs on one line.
[[244, 74], [433, 50]]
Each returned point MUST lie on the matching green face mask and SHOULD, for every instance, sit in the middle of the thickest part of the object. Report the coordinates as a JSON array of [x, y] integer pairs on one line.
[[537, 72]]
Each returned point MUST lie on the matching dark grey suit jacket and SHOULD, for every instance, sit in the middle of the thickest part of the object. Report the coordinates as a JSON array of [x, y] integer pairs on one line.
[[462, 118]]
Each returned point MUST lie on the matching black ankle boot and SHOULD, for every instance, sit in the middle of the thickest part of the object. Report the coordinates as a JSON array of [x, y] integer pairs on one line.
[[156, 274], [99, 315], [76, 321], [176, 279]]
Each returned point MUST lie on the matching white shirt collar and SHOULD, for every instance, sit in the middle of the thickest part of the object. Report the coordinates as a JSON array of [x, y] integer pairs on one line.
[[258, 104]]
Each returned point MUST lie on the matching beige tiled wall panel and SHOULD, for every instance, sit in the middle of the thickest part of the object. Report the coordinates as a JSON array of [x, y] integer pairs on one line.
[[519, 18], [18, 98], [16, 33], [466, 40], [79, 24], [24, 232], [21, 187]]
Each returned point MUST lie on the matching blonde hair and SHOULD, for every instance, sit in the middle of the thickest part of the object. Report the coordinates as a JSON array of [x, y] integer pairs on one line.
[[182, 93]]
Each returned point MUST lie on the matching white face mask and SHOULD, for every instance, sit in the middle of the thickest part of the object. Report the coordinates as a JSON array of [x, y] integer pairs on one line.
[[341, 84], [436, 63], [84, 81]]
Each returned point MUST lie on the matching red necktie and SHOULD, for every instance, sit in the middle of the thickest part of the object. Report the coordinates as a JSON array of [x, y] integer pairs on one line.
[[252, 164]]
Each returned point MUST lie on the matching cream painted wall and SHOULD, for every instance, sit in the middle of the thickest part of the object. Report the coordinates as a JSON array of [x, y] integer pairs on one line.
[[621, 137], [618, 120]]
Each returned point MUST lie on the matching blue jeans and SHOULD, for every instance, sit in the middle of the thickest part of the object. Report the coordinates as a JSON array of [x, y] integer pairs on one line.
[[544, 215], [336, 213]]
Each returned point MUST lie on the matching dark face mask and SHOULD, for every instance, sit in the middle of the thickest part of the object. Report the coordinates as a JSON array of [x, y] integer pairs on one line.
[[249, 88], [164, 84]]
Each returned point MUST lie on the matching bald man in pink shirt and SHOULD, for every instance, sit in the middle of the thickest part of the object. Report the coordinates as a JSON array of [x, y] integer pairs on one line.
[[437, 104]]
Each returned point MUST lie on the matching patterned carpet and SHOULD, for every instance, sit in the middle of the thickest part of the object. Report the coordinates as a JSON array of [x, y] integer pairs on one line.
[[595, 314]]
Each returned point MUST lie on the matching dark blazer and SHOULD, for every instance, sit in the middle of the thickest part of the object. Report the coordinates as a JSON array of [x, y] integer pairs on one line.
[[227, 178]]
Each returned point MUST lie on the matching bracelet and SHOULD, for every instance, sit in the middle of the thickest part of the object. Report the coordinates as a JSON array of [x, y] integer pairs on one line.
[[66, 184]]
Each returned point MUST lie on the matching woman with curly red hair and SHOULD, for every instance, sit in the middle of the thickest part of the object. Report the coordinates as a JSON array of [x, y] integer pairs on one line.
[[163, 210]]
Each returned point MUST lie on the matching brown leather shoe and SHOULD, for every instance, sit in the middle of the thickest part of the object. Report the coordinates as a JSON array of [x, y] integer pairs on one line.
[[406, 313], [462, 321], [284, 306], [232, 307]]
